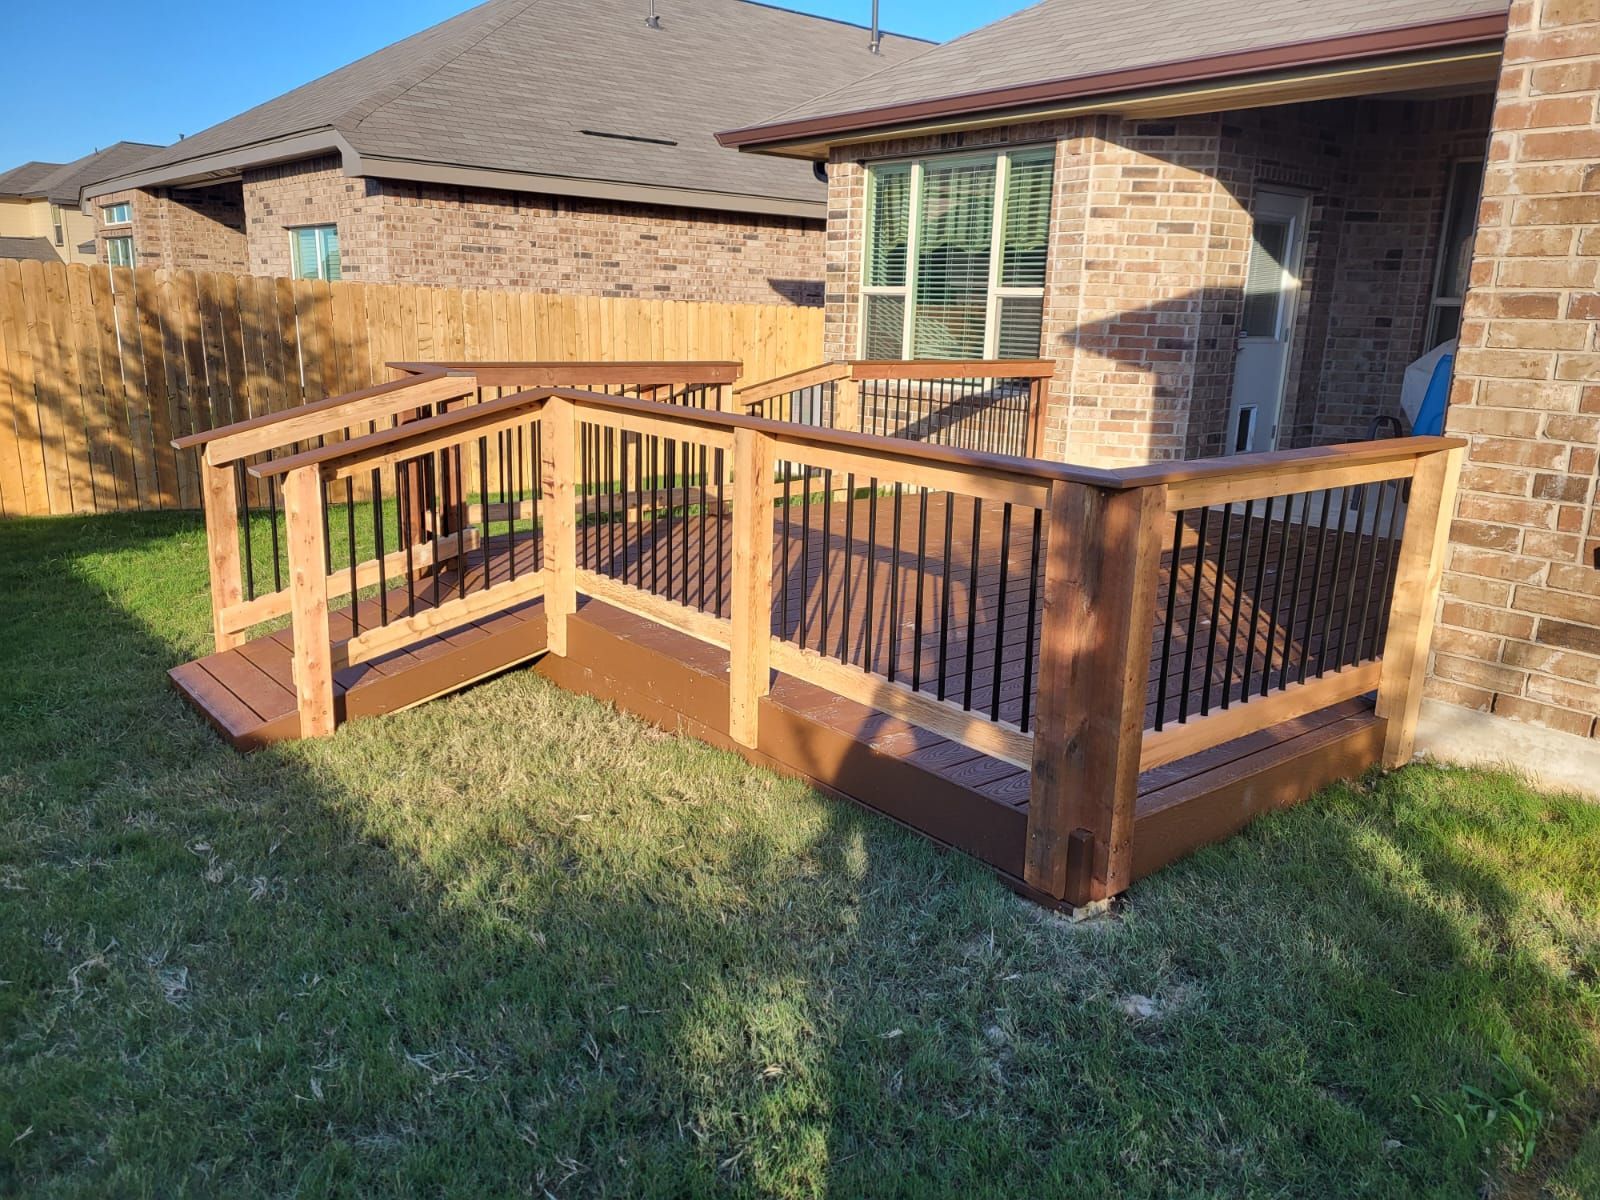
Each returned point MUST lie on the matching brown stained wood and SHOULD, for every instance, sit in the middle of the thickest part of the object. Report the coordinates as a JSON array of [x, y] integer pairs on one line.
[[751, 653], [404, 630], [973, 368], [328, 416], [220, 500], [308, 602], [756, 393], [1099, 604], [1204, 493], [558, 445], [1416, 598], [1285, 704]]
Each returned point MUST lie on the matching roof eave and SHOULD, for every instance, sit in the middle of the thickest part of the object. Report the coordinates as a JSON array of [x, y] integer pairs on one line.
[[228, 164], [782, 136]]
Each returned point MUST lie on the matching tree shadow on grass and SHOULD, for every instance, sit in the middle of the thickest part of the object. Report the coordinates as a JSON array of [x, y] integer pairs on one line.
[[513, 942]]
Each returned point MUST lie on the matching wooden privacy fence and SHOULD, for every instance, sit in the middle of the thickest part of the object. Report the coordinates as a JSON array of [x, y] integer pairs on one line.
[[1086, 626], [101, 369]]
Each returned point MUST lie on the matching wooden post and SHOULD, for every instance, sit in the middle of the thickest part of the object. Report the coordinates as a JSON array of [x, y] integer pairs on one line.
[[1036, 417], [847, 404], [221, 500], [558, 474], [750, 653], [1416, 600], [308, 600], [1101, 569]]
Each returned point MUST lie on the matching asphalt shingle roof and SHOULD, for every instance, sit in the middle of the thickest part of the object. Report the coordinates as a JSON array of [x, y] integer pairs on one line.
[[512, 85], [1064, 39], [60, 183], [36, 248]]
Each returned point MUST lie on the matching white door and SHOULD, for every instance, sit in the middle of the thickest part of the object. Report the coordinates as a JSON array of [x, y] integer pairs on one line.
[[1272, 289]]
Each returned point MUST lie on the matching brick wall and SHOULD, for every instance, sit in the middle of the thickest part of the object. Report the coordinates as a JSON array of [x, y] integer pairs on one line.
[[315, 192], [1519, 627], [397, 232], [1150, 241], [200, 229]]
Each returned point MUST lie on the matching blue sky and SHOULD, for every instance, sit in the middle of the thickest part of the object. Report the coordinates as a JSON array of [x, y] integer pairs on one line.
[[189, 65]]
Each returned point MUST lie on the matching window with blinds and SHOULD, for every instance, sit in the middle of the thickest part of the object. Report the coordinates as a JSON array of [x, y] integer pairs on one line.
[[955, 256], [315, 252]]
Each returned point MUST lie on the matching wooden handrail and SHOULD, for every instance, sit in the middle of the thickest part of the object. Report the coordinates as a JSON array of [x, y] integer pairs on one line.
[[569, 374], [921, 368], [275, 429]]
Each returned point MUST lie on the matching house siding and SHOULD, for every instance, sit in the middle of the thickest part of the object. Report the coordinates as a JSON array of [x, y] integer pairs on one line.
[[1519, 622]]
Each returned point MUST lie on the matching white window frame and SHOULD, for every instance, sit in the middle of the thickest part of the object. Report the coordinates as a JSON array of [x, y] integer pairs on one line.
[[321, 230], [122, 206], [1436, 300], [125, 237], [908, 291]]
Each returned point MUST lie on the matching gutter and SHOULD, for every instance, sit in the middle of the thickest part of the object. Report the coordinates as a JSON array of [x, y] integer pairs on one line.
[[229, 164], [1402, 39]]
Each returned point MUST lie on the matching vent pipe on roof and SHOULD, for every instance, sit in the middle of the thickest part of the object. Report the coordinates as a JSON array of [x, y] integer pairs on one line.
[[653, 21], [877, 38]]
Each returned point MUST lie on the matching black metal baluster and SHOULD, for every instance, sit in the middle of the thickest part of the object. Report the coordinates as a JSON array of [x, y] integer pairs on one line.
[[403, 489], [922, 574], [272, 509], [1316, 593], [944, 595], [869, 619], [350, 552], [700, 557], [783, 573], [431, 483], [1238, 600], [1355, 570], [1255, 604], [972, 600], [1033, 617], [242, 483], [377, 543], [894, 585], [1172, 606], [722, 535], [1000, 611], [1186, 682], [1333, 585], [1392, 557], [827, 556], [849, 552], [1277, 594], [655, 513], [805, 556], [483, 504], [1302, 539], [1362, 638], [1216, 609]]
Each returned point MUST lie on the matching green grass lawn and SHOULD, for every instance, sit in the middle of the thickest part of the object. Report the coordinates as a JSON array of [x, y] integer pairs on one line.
[[514, 943]]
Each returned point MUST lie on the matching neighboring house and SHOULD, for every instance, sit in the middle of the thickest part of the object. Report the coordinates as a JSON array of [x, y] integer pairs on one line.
[[1233, 226], [39, 214], [551, 145]]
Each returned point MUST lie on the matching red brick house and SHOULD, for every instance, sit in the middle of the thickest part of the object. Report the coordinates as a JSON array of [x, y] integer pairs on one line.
[[1233, 226], [551, 145]]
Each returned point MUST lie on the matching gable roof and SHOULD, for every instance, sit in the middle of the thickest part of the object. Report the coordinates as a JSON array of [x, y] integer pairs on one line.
[[558, 96], [60, 183], [37, 249], [1059, 50]]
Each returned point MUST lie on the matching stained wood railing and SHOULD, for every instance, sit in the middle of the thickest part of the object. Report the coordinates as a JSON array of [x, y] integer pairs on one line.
[[246, 513], [1086, 624], [981, 404]]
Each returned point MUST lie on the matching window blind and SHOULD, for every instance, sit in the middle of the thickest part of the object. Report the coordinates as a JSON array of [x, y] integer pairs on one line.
[[952, 285]]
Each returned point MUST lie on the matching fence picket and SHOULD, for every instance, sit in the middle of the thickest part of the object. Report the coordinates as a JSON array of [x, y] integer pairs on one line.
[[100, 368]]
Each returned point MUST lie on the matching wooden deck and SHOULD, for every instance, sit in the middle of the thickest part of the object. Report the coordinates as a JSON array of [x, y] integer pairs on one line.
[[949, 791]]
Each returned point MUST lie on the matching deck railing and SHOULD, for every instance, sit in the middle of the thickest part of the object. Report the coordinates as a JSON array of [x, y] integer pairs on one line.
[[981, 404], [1086, 624], [382, 513]]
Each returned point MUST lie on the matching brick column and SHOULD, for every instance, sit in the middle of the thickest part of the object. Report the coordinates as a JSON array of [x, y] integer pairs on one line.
[[1519, 634]]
